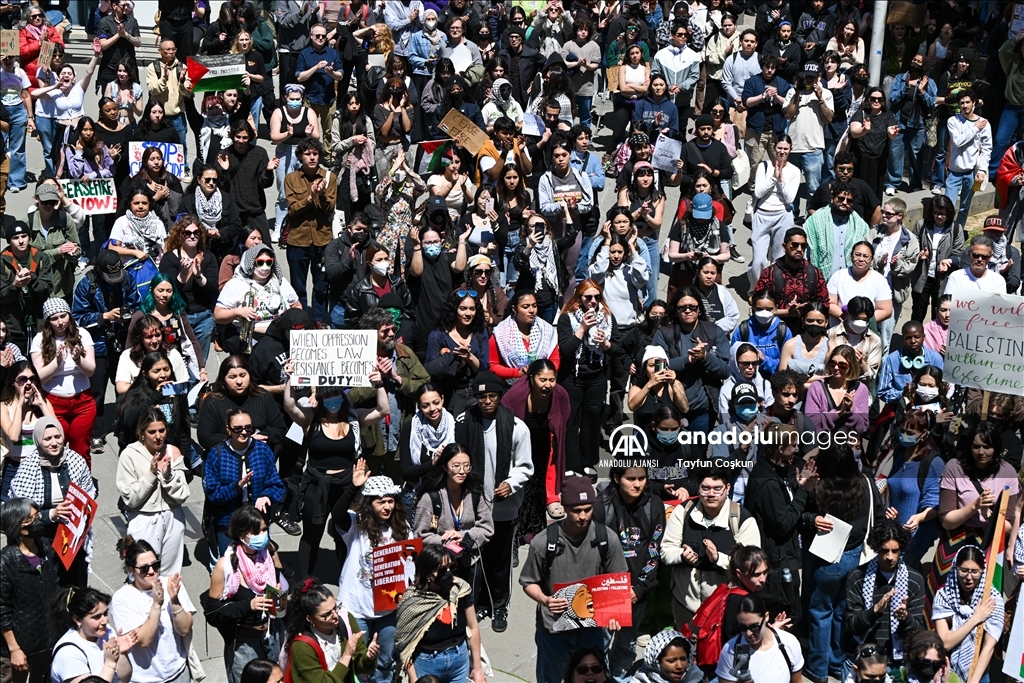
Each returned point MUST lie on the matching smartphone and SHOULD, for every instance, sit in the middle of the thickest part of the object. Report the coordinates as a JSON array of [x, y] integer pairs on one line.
[[174, 389], [455, 547], [539, 230], [489, 205], [659, 364], [276, 598]]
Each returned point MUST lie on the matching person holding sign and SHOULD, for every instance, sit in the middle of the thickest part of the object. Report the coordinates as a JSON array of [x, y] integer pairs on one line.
[[33, 481], [379, 519], [32, 36], [14, 89]]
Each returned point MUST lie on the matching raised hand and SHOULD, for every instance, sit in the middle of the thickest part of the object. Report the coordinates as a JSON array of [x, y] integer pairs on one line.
[[359, 473]]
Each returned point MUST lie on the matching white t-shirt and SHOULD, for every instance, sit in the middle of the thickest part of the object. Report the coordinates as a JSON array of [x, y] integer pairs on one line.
[[11, 85], [355, 588], [268, 304], [808, 128], [44, 105], [766, 666], [454, 200], [888, 247], [123, 233], [873, 285], [492, 113], [964, 278], [127, 370], [79, 658], [69, 380], [487, 163], [164, 659]]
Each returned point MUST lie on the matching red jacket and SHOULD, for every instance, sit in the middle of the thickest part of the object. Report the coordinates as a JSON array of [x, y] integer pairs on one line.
[[30, 50]]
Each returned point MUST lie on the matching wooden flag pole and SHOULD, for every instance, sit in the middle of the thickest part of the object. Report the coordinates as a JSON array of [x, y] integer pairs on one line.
[[990, 570]]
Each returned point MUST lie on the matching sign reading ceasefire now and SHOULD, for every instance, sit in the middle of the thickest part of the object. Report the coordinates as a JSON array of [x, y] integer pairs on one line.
[[985, 349], [97, 196]]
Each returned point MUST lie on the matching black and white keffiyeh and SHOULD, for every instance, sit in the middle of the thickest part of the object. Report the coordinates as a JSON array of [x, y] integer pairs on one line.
[[902, 590], [543, 263], [209, 209], [422, 433], [149, 229], [593, 348]]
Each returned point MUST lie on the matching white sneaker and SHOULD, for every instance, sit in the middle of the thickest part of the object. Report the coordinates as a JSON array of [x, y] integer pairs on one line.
[[938, 190], [890, 192]]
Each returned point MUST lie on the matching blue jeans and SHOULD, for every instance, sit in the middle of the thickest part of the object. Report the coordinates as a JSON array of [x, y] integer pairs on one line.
[[450, 666], [511, 275], [238, 654], [653, 264], [960, 190], [828, 168], [338, 316], [202, 325], [1009, 123], [256, 109], [15, 142], [553, 650], [942, 141], [47, 128], [887, 326], [621, 648], [384, 629], [300, 261], [810, 163], [583, 109], [583, 265], [548, 314], [826, 605], [914, 137], [289, 163], [181, 125]]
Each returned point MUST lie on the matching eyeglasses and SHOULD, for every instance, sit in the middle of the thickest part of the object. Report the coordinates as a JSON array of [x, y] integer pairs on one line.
[[462, 293], [798, 245], [24, 379], [980, 257], [145, 569], [593, 669], [688, 308], [264, 262], [460, 468], [749, 628], [972, 573], [190, 233], [242, 429], [889, 214], [844, 169]]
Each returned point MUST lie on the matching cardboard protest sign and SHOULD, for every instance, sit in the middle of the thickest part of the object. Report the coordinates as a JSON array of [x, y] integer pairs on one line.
[[96, 197], [457, 126], [595, 602], [9, 44], [394, 570], [908, 13], [174, 157], [333, 358], [72, 532], [46, 53], [985, 347]]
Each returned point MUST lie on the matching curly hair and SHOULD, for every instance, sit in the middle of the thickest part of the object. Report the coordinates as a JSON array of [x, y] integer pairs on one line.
[[304, 600], [49, 342], [450, 312], [368, 524], [135, 348], [177, 235], [886, 530]]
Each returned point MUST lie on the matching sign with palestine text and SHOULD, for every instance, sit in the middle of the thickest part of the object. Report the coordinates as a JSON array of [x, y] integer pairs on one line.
[[985, 348], [72, 532], [333, 358]]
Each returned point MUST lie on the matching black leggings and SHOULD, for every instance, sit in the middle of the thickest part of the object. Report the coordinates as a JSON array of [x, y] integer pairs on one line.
[[583, 433], [309, 542], [930, 295]]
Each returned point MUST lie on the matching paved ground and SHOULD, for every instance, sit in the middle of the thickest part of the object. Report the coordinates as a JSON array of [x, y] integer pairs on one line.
[[511, 653]]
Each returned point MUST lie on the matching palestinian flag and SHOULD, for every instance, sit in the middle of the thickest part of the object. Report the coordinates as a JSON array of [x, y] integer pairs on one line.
[[431, 156], [216, 73], [995, 544]]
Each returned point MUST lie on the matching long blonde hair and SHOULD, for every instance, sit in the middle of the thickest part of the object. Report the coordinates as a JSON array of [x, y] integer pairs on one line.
[[234, 45], [383, 42]]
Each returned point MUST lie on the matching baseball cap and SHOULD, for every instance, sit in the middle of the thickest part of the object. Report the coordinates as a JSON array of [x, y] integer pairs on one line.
[[47, 193], [811, 69], [744, 392], [108, 265], [994, 223], [702, 208], [436, 205]]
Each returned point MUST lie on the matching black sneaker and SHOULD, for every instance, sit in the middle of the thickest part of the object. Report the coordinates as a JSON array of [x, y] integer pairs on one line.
[[290, 527], [734, 254], [500, 622], [482, 613], [97, 445]]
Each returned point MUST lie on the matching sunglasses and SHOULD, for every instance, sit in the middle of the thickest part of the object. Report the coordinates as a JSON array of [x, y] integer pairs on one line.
[[462, 293], [482, 272], [839, 364], [144, 569], [24, 379], [844, 169], [748, 363], [590, 297], [717, 112], [843, 200], [749, 628], [211, 180], [688, 308], [980, 257], [593, 669], [317, 35], [875, 99], [242, 429], [889, 214], [644, 172], [264, 262], [798, 245], [191, 233], [51, 203]]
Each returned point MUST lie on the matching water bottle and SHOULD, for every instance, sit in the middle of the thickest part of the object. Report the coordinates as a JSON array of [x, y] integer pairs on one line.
[[787, 576]]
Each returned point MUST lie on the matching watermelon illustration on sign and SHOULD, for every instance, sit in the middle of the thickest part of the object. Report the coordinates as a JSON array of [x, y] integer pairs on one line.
[[216, 73]]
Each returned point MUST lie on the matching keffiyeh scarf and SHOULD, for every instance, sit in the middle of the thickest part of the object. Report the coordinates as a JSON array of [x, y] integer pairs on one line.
[[149, 229], [510, 342], [947, 605], [209, 209], [423, 434], [650, 670], [999, 255], [503, 103], [596, 353], [902, 588], [542, 263]]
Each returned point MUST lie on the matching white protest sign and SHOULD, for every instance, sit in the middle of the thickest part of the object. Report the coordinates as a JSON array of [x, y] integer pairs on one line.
[[96, 197], [333, 358], [667, 151], [533, 125], [174, 156], [985, 348]]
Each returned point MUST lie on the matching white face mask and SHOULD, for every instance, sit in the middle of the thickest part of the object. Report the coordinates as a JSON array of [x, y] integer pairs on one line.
[[764, 317], [927, 393], [381, 267], [858, 326], [430, 24], [262, 272], [399, 176]]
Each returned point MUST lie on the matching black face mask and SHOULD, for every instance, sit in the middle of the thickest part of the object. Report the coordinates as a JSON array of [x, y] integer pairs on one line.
[[445, 579], [916, 69], [860, 80], [456, 98], [35, 529], [814, 330], [924, 670], [360, 237], [998, 422]]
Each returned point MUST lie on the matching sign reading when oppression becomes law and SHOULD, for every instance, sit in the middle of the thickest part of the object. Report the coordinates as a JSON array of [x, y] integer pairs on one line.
[[333, 358], [985, 348]]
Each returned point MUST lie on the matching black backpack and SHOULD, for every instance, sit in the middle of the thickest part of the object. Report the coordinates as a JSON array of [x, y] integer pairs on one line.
[[780, 333], [779, 280], [555, 547]]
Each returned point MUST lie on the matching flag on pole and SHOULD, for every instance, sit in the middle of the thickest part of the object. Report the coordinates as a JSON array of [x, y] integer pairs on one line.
[[216, 73], [1013, 664], [431, 155], [995, 542]]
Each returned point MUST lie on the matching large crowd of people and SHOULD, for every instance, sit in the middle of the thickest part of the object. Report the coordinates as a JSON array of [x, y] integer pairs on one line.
[[517, 326]]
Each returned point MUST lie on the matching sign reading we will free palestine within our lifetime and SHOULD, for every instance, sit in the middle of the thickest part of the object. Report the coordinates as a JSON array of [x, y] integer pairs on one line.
[[333, 358], [985, 347]]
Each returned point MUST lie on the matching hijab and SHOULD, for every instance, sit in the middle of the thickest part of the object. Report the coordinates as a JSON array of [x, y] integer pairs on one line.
[[42, 424]]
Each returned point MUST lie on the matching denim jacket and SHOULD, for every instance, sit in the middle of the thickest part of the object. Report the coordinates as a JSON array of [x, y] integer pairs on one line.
[[925, 104]]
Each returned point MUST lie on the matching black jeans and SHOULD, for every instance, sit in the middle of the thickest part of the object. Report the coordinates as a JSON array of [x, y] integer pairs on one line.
[[258, 221], [286, 73], [495, 591], [106, 371], [583, 433], [180, 31], [921, 300]]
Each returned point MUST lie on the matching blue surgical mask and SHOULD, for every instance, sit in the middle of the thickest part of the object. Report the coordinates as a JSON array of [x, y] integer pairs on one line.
[[907, 441], [334, 403], [259, 541], [432, 250], [668, 438], [294, 104], [746, 413]]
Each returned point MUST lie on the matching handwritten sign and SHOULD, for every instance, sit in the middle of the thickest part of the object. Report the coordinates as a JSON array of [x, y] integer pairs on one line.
[[394, 570], [458, 127], [907, 13], [333, 358], [96, 197], [9, 43], [595, 602], [46, 53], [667, 151], [72, 532], [174, 156], [533, 125], [1017, 22], [985, 349]]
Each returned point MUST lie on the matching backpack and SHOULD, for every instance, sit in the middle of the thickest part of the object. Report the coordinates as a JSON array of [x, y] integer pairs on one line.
[[554, 548], [284, 660], [780, 333], [708, 621]]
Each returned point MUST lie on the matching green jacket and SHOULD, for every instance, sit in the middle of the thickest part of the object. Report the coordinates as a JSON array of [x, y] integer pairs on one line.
[[63, 265], [1013, 65], [413, 375], [305, 663], [20, 308]]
